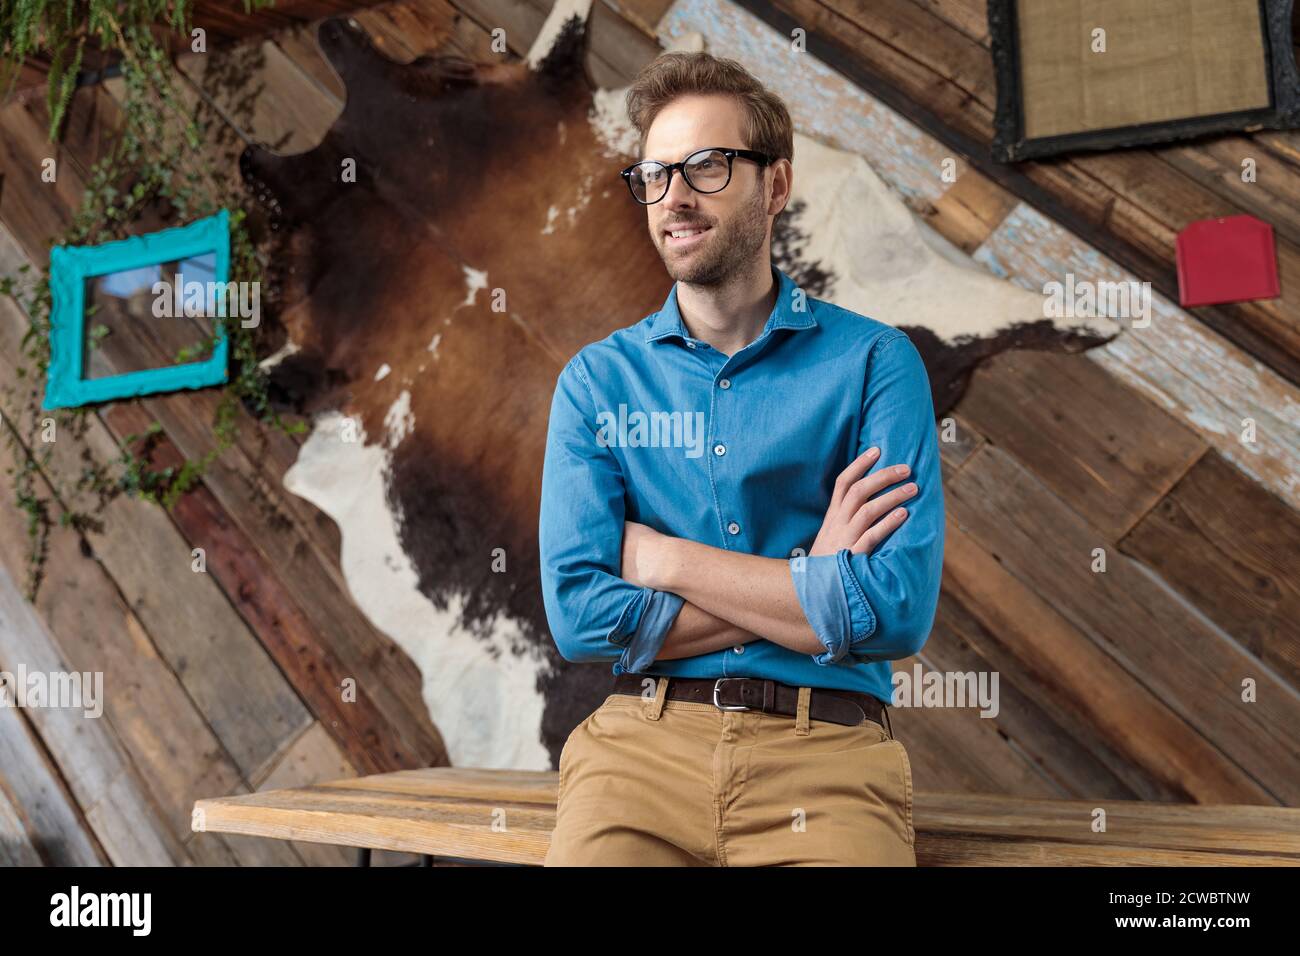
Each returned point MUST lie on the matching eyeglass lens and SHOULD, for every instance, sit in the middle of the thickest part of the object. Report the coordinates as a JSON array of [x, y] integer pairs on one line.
[[706, 171]]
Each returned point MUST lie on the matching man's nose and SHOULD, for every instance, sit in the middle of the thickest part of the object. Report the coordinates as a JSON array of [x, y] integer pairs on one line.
[[679, 191]]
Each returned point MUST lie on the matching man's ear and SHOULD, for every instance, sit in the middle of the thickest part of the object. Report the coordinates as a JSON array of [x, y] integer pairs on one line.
[[788, 170]]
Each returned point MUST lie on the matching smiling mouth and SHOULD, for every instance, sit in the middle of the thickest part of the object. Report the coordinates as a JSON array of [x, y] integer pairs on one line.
[[685, 236]]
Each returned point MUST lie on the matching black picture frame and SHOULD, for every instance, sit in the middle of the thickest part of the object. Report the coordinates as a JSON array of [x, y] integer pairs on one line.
[[1010, 144]]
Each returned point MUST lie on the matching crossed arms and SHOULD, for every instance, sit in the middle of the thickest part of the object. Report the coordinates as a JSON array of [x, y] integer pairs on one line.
[[867, 590], [733, 598]]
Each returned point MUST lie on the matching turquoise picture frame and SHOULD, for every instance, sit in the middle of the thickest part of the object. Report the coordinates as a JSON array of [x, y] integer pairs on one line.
[[71, 266]]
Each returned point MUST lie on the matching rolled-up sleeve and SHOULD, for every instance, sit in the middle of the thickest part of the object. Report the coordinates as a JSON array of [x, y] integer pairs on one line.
[[593, 613], [880, 605]]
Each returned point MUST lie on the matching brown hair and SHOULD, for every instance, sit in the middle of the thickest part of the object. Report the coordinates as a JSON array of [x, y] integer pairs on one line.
[[767, 126]]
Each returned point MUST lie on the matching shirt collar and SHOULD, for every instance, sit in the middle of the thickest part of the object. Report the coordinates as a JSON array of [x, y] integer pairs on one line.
[[668, 320]]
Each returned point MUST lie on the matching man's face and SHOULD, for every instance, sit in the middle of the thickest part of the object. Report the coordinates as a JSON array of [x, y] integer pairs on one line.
[[735, 220]]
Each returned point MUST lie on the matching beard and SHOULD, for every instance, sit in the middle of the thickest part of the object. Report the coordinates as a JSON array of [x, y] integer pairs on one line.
[[729, 250]]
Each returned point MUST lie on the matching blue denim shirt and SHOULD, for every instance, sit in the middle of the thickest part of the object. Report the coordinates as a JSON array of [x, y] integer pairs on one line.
[[741, 452]]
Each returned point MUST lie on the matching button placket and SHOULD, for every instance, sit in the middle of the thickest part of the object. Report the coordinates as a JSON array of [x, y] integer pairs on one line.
[[720, 422], [720, 448]]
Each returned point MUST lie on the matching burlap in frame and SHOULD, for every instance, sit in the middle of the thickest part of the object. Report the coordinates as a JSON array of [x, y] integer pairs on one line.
[[1163, 60]]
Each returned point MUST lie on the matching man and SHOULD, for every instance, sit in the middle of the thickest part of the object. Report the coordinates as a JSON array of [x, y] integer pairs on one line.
[[711, 522]]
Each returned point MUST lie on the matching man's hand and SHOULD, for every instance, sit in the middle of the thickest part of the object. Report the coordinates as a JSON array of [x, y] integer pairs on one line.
[[854, 522]]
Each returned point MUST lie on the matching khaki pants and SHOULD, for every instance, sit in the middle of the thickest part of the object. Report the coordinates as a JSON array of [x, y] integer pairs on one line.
[[655, 782]]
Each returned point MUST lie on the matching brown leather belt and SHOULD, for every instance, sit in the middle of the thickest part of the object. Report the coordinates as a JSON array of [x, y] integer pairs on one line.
[[768, 696]]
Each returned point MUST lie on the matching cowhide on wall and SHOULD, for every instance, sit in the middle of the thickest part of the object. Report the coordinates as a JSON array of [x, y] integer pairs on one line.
[[429, 305]]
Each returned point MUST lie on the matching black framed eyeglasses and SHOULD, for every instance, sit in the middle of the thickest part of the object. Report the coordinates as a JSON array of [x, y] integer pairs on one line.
[[706, 170]]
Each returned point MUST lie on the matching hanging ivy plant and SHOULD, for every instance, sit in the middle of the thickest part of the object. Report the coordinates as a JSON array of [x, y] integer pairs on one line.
[[158, 163]]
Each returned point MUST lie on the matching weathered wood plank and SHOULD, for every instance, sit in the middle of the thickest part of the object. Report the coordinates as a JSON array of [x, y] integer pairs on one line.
[[229, 21], [1234, 550], [45, 811], [314, 757], [1110, 453], [1188, 664], [520, 21], [15, 844], [172, 750], [616, 48], [644, 14], [129, 828], [971, 17], [1227, 828], [169, 740], [1096, 700], [235, 850], [34, 210], [450, 812], [956, 750], [99, 773], [957, 442], [1209, 383], [959, 851], [221, 147], [299, 45], [970, 210], [405, 31], [261, 92], [91, 125], [1029, 732], [1217, 163]]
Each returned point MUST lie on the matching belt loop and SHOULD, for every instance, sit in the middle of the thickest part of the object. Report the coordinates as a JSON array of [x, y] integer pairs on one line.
[[656, 707], [801, 726], [889, 727]]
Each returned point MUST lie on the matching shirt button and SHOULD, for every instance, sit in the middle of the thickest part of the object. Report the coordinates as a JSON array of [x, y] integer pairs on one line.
[[739, 648], [719, 449], [733, 528], [725, 383], [690, 345]]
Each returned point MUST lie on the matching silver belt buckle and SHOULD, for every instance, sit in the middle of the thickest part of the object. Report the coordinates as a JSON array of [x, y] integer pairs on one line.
[[721, 706]]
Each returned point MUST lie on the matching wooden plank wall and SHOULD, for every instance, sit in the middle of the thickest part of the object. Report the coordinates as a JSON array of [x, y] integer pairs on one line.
[[225, 681], [1123, 685]]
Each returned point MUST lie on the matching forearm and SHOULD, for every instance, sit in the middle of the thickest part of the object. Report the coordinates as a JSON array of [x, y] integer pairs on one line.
[[754, 594], [695, 631]]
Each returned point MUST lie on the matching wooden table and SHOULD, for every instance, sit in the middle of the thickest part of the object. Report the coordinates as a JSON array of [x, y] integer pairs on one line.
[[506, 817]]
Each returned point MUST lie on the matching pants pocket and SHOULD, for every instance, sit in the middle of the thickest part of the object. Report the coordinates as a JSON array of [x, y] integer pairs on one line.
[[573, 741], [578, 736], [907, 791]]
